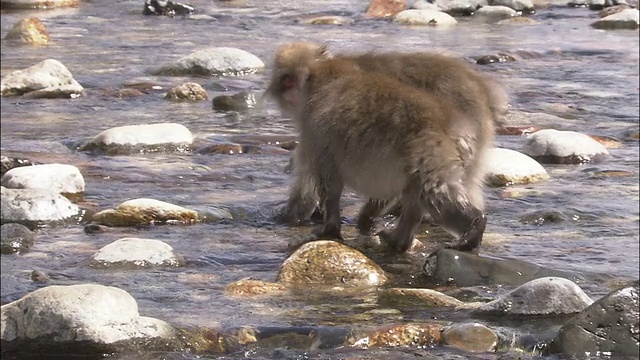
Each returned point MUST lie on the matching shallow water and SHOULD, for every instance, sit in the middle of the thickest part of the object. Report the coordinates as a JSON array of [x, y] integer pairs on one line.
[[107, 45]]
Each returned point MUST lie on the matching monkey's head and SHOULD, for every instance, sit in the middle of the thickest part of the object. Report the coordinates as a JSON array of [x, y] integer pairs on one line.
[[291, 71]]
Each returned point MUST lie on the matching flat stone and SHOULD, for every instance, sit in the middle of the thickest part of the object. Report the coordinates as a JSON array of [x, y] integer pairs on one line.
[[494, 13], [48, 76], [146, 138], [62, 178], [563, 147], [144, 212], [136, 252], [471, 337], [625, 19], [217, 61], [37, 206]]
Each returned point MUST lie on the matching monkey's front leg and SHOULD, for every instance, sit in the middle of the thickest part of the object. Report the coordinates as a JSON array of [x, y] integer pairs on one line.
[[472, 237], [329, 190], [401, 237], [369, 211], [467, 222]]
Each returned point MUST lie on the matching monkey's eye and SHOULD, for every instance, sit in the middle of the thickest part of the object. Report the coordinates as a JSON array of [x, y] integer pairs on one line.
[[288, 82]]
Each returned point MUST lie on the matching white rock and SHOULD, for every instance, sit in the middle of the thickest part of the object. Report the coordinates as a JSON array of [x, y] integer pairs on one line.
[[625, 19], [137, 252], [215, 61], [48, 76], [424, 17], [87, 312], [145, 211], [146, 134], [517, 5], [459, 7], [543, 296], [35, 205], [563, 144], [61, 178], [494, 13], [507, 167]]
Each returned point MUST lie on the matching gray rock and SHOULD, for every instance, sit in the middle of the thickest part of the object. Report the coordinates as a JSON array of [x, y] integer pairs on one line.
[[42, 79], [518, 5], [424, 18], [563, 147], [460, 7], [609, 328], [494, 13], [241, 101], [625, 19], [87, 317], [508, 167], [35, 206], [543, 296], [466, 269], [62, 178], [218, 61], [141, 138], [16, 238], [136, 253], [425, 5]]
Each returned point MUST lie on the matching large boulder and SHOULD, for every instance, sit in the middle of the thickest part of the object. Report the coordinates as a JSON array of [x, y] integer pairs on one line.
[[36, 207], [217, 61], [46, 79], [508, 167], [625, 19], [62, 178], [563, 147]]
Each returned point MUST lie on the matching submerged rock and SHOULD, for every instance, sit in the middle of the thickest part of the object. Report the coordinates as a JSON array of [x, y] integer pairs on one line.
[[217, 61], [424, 18], [466, 269], [563, 147], [497, 58], [411, 335], [62, 178], [330, 263], [543, 296], [36, 207], [248, 287], [16, 238], [508, 167], [609, 328], [240, 102], [29, 31], [145, 212], [131, 139], [136, 253], [187, 92], [625, 19], [46, 79], [416, 298], [471, 337], [82, 319], [328, 20]]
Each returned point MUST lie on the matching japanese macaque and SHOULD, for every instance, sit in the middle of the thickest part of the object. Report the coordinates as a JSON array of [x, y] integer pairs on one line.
[[418, 140]]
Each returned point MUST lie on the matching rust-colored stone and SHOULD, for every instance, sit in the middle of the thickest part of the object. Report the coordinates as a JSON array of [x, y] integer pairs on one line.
[[384, 8]]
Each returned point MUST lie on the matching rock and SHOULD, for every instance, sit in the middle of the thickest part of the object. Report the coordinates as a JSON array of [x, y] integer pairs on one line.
[[497, 58], [613, 10], [543, 217], [330, 263], [563, 147], [240, 102], [229, 149], [328, 20], [625, 19], [80, 319], [460, 7], [167, 8], [518, 20], [505, 167], [543, 296], [516, 130], [10, 163], [466, 269], [384, 8], [187, 92], [494, 13], [64, 179], [136, 253], [36, 207], [133, 139], [217, 61], [609, 327], [48, 78], [423, 298], [424, 18], [247, 287], [608, 142], [471, 337], [595, 4], [37, 4], [144, 212], [424, 5], [30, 31], [517, 5], [16, 238], [413, 335]]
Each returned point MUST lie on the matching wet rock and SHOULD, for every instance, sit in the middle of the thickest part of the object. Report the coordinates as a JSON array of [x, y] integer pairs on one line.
[[460, 7], [16, 238], [9, 163], [166, 8], [240, 102], [46, 79], [543, 296], [144, 138], [422, 335], [39, 277], [613, 10], [384, 8], [229, 149], [518, 20], [424, 18], [187, 92], [36, 207], [81, 319], [466, 269], [525, 6], [328, 20], [563, 147], [494, 13], [508, 167], [64, 179], [136, 253], [544, 217], [608, 328], [606, 141], [494, 58], [248, 287], [145, 212], [95, 229], [37, 4], [601, 4], [625, 19], [601, 174], [29, 31], [471, 337], [330, 263], [423, 298], [217, 61]]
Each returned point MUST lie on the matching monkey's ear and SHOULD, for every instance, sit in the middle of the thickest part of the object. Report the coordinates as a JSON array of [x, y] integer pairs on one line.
[[324, 53]]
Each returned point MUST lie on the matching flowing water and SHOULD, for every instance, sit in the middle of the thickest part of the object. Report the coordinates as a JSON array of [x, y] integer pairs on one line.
[[568, 76]]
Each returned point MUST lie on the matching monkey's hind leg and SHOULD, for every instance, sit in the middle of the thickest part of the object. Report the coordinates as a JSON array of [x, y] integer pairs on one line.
[[329, 191], [401, 237], [460, 219]]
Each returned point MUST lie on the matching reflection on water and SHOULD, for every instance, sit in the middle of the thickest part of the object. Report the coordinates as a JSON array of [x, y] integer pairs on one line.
[[107, 45]]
